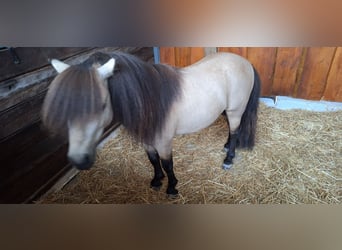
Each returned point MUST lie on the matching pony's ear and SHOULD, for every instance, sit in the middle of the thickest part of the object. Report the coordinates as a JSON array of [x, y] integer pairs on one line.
[[59, 66], [106, 70]]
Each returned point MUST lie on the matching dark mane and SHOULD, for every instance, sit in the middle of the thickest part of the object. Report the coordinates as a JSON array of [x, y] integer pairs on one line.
[[75, 93], [142, 94]]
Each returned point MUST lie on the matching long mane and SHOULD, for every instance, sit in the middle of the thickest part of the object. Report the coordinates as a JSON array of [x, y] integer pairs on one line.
[[75, 93], [142, 95]]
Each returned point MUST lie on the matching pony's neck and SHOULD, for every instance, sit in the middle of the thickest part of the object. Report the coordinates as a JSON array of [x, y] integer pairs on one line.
[[142, 95]]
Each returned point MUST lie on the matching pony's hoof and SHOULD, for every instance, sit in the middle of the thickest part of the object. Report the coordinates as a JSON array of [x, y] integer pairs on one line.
[[172, 196], [226, 166], [172, 193], [156, 188], [156, 184]]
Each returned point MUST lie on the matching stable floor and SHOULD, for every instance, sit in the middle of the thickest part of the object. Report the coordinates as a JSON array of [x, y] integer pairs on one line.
[[297, 159]]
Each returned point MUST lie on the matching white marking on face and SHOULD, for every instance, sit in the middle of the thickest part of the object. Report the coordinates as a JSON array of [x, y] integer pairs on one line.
[[83, 139], [84, 136]]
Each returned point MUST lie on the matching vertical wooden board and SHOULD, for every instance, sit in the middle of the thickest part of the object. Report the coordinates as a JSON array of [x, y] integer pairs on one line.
[[242, 51], [197, 53], [183, 56], [333, 90], [286, 67], [315, 72], [167, 55], [263, 60]]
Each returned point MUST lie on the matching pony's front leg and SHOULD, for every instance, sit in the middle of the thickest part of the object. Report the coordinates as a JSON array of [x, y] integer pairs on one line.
[[167, 165], [154, 158], [163, 145]]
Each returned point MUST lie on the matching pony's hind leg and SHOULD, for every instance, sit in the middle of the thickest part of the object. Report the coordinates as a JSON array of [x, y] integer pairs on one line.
[[154, 158], [232, 141], [230, 149]]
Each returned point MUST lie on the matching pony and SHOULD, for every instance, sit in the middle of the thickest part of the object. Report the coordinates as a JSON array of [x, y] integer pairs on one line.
[[154, 102]]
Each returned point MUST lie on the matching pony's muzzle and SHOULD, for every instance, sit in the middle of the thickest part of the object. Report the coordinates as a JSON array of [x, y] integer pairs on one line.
[[81, 162]]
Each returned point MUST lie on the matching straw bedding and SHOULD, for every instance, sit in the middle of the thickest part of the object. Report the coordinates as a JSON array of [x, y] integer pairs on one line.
[[297, 159]]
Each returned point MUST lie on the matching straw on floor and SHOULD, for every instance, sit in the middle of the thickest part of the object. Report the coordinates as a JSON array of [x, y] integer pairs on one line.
[[297, 159]]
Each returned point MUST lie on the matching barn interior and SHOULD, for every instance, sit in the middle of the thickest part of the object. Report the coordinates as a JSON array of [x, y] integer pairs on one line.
[[296, 160]]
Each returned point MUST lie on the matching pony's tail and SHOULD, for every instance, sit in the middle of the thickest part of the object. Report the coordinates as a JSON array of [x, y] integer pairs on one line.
[[247, 129]]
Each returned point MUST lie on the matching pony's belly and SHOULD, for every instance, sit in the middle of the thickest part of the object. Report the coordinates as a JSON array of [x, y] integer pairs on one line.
[[196, 120], [201, 104]]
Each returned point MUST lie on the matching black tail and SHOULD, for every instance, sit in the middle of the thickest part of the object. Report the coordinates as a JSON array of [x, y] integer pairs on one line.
[[247, 129]]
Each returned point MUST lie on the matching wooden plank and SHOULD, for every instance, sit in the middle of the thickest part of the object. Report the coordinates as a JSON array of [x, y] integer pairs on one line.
[[315, 72], [20, 96], [40, 190], [65, 178], [285, 73], [263, 59], [196, 54], [333, 90], [27, 182], [20, 115], [44, 155], [18, 161], [167, 55], [33, 150], [22, 142], [183, 56], [32, 58], [242, 51]]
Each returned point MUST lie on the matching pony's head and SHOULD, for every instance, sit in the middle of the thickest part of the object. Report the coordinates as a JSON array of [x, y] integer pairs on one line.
[[78, 107]]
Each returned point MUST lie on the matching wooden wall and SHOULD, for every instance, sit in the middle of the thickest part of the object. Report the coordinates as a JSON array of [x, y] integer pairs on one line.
[[312, 73], [31, 161]]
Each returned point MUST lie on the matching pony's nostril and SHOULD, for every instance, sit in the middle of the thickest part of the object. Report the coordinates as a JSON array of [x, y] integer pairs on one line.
[[81, 162], [86, 158]]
